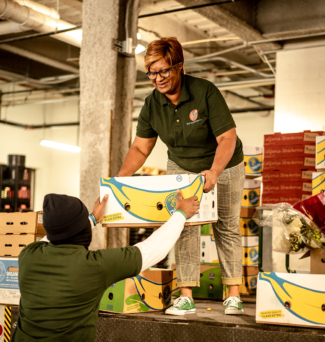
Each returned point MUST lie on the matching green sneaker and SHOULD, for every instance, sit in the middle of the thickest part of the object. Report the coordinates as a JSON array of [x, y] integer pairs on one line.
[[182, 306], [233, 306]]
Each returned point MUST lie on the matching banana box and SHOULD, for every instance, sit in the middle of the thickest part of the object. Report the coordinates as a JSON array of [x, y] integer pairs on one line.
[[8, 321], [148, 291], [291, 299], [150, 201], [206, 229], [253, 160], [211, 286], [318, 182], [208, 250], [320, 152], [9, 286], [247, 226], [250, 275], [250, 250], [251, 193]]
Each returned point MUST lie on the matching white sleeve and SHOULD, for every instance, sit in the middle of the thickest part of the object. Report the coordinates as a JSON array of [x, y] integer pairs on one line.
[[45, 239], [158, 244]]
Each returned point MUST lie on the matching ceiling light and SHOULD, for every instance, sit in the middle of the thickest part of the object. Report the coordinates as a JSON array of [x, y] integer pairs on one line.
[[138, 35], [140, 48], [61, 146]]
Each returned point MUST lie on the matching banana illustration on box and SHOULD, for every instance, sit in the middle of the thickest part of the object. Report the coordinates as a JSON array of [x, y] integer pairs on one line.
[[156, 296], [318, 182], [302, 302], [143, 203]]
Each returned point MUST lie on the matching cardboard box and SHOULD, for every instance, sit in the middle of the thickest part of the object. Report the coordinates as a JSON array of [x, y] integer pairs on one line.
[[247, 226], [253, 159], [289, 151], [8, 321], [250, 275], [9, 286], [150, 201], [208, 249], [148, 291], [291, 198], [248, 212], [211, 286], [207, 229], [250, 250], [300, 138], [18, 223], [318, 182], [320, 152], [287, 187], [12, 245], [287, 176], [287, 164], [291, 299], [251, 193], [317, 261]]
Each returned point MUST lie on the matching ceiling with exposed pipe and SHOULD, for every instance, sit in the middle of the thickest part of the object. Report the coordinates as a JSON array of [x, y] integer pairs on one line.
[[233, 45]]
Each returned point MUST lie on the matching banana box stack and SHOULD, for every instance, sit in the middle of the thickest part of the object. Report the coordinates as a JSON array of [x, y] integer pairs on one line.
[[208, 250], [289, 160], [249, 232], [291, 299], [318, 182], [150, 201], [253, 159], [211, 286], [17, 230], [149, 291]]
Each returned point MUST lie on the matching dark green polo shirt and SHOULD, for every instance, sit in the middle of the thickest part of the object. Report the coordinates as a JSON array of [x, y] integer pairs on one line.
[[189, 129], [61, 288]]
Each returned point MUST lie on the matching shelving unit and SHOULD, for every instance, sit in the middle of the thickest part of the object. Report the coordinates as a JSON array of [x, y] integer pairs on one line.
[[17, 188]]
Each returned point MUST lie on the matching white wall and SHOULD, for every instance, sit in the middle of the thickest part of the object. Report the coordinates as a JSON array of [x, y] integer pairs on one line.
[[56, 171], [300, 90]]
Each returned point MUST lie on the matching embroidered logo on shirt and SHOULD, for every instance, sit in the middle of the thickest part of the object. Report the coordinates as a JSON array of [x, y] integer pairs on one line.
[[194, 114]]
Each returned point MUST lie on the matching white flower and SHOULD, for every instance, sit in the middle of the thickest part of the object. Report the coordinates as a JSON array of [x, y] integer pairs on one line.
[[295, 225]]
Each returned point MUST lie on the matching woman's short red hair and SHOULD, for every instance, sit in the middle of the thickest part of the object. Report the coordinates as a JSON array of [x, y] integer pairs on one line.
[[168, 48]]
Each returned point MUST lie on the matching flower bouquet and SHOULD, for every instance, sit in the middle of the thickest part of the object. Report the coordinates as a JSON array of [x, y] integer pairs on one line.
[[293, 232]]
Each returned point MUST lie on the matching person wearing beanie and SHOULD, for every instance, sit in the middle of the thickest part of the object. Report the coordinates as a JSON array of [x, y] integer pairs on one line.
[[62, 282]]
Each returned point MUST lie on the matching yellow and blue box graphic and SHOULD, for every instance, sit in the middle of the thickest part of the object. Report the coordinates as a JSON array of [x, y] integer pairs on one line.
[[150, 201], [250, 275], [318, 182], [248, 226], [251, 193], [149, 291], [208, 250], [291, 299], [320, 152], [250, 250], [253, 159], [9, 286]]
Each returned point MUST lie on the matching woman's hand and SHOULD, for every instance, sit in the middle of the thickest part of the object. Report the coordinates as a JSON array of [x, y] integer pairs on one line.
[[211, 177], [99, 208]]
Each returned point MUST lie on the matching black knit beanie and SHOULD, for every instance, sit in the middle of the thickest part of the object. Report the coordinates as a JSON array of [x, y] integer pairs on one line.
[[63, 216]]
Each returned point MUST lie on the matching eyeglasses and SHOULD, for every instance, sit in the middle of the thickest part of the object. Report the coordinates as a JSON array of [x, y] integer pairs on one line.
[[152, 75]]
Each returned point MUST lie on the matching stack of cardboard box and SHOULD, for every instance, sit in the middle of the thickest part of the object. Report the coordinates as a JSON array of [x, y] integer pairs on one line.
[[318, 182], [289, 160], [17, 230]]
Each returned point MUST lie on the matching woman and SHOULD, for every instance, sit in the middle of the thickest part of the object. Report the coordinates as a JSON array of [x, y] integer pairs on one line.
[[192, 118]]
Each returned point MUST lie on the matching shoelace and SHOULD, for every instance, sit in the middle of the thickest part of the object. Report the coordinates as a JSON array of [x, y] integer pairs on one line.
[[180, 301], [232, 301]]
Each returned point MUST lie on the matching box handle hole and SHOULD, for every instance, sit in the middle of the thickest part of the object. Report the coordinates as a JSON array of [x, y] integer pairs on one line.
[[22, 245], [201, 275], [9, 223], [23, 223], [210, 287], [323, 261], [143, 297], [110, 296], [245, 197], [323, 307], [12, 269], [160, 295], [212, 204], [287, 305], [127, 207], [159, 206], [8, 245], [245, 225]]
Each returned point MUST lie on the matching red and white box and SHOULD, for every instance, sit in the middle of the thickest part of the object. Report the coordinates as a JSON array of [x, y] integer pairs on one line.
[[289, 151], [299, 138], [288, 175], [281, 164], [288, 187], [291, 198]]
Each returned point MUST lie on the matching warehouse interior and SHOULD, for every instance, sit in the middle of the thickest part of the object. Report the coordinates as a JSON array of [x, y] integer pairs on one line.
[[265, 56]]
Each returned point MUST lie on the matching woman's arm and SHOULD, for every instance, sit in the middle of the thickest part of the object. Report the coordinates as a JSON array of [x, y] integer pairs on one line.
[[224, 152], [137, 155]]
